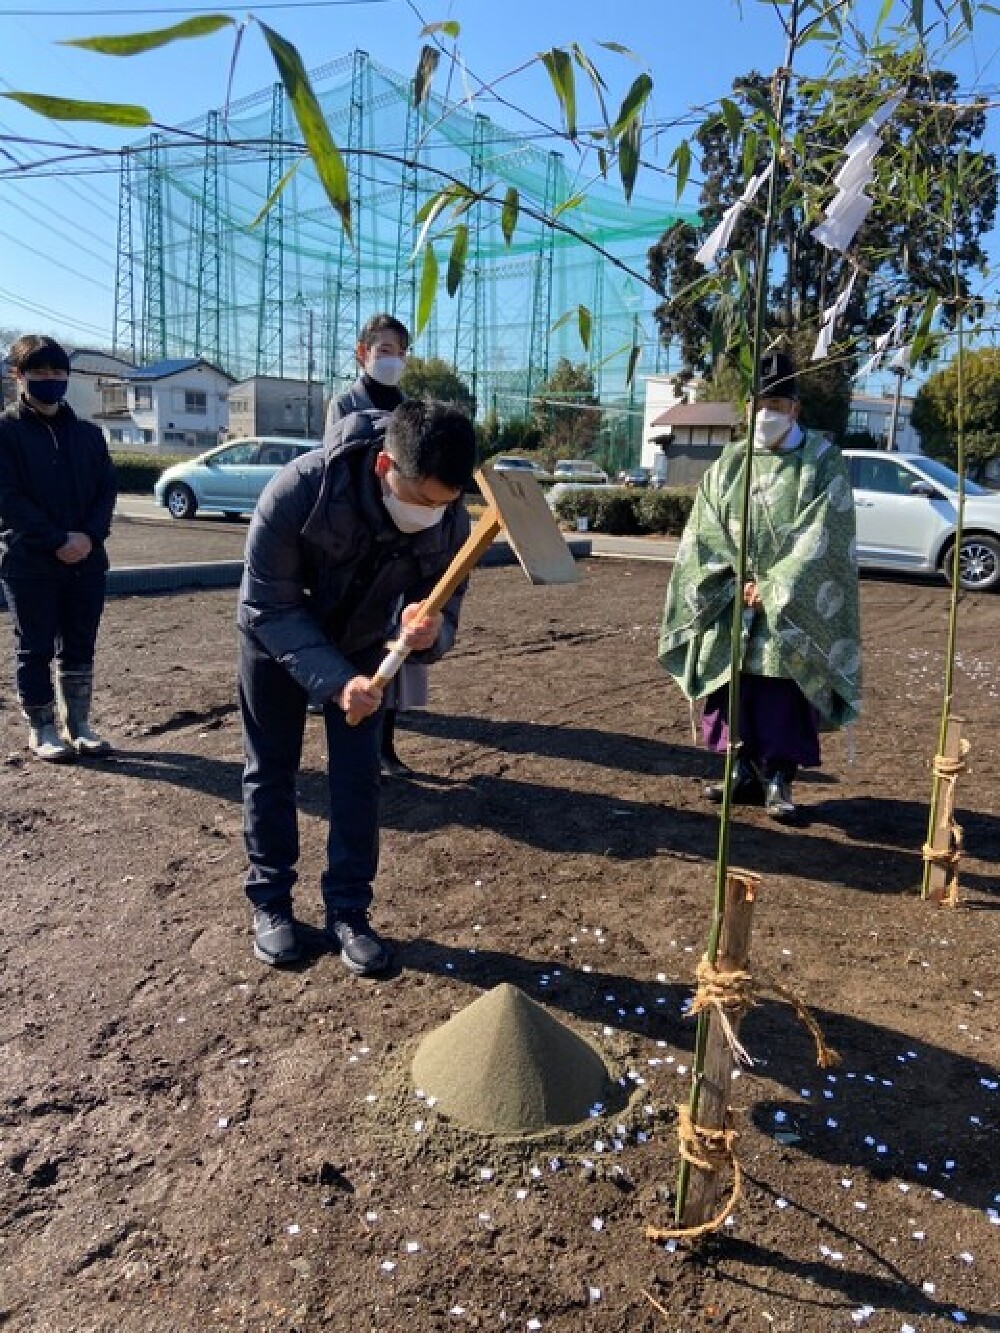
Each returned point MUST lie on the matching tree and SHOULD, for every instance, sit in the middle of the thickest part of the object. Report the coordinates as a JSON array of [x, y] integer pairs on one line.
[[905, 248], [436, 378], [935, 409], [567, 411]]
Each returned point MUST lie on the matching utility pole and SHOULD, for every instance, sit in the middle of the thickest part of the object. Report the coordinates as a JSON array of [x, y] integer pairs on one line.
[[310, 369], [890, 443]]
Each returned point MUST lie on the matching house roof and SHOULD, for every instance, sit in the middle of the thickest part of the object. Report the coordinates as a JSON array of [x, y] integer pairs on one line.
[[698, 414], [161, 370]]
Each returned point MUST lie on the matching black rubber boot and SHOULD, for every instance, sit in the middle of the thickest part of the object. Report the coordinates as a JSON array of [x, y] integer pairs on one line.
[[746, 786], [74, 690], [44, 740]]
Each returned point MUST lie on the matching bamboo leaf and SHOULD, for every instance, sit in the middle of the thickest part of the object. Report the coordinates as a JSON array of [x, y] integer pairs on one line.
[[567, 204], [456, 260], [428, 288], [426, 65], [750, 142], [560, 70], [431, 210], [917, 15], [594, 75], [628, 157], [449, 27], [633, 360], [508, 215], [273, 196], [318, 140], [733, 117], [68, 108], [134, 43], [922, 335], [619, 49], [883, 15], [584, 323], [681, 160], [633, 103], [602, 162]]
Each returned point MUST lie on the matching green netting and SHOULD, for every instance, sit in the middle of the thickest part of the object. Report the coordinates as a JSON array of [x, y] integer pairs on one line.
[[199, 278]]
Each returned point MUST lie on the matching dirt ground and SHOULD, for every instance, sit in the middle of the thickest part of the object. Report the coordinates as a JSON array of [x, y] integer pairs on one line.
[[192, 1141]]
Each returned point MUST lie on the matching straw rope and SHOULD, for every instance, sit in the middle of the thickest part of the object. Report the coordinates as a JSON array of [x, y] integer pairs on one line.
[[708, 1150], [732, 994], [946, 769]]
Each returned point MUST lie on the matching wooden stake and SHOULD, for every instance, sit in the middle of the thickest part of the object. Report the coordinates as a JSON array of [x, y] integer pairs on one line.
[[937, 877], [712, 1111]]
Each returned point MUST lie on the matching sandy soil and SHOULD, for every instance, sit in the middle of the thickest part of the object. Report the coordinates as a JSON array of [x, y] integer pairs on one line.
[[189, 1140]]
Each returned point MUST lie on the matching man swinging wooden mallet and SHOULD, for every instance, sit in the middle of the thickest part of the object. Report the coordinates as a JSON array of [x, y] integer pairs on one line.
[[516, 506]]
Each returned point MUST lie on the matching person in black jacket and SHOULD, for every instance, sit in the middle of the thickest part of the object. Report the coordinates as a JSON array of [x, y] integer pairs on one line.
[[381, 355], [57, 497], [340, 537]]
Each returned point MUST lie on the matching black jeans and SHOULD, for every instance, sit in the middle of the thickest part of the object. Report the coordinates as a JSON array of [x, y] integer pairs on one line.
[[53, 618], [273, 709]]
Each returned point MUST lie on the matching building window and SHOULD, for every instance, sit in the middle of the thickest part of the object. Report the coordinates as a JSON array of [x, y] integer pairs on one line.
[[147, 437], [195, 402], [144, 399]]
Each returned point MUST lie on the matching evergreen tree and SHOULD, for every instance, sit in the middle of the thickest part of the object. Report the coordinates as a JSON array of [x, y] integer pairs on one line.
[[935, 409], [565, 411]]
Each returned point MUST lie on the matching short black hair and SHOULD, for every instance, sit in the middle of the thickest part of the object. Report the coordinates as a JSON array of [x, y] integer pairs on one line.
[[374, 326], [426, 438], [36, 351]]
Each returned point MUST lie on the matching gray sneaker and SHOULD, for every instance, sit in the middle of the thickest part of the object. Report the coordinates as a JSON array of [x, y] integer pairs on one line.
[[274, 938], [361, 950]]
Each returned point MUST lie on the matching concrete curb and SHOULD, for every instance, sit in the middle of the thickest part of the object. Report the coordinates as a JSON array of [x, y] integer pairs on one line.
[[138, 580]]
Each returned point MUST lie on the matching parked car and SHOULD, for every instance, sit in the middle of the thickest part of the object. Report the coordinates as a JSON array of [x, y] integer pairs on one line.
[[632, 477], [579, 470], [514, 463], [227, 480], [906, 511]]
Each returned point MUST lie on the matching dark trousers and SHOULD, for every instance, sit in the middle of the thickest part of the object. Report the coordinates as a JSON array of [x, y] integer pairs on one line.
[[778, 725], [273, 709], [53, 618]]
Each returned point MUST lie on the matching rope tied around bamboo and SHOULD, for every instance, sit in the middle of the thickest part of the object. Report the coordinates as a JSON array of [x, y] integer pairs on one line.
[[732, 994], [708, 1150], [946, 769]]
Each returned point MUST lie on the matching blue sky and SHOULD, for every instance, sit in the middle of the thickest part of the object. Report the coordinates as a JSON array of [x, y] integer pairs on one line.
[[57, 234]]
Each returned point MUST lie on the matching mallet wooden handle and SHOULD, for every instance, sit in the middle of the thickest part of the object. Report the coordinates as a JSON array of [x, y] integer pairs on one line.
[[465, 559]]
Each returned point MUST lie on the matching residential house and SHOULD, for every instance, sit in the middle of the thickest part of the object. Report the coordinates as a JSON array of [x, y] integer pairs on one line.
[[270, 405], [176, 405], [872, 413], [661, 394], [691, 437], [90, 370]]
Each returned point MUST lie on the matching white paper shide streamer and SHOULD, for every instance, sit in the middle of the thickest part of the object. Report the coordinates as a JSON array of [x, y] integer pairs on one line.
[[850, 205], [722, 234]]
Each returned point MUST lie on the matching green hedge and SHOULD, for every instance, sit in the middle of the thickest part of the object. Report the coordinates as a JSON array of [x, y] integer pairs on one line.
[[137, 472], [626, 511]]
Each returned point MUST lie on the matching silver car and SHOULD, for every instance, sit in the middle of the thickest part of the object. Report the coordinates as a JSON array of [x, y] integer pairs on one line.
[[906, 511], [227, 480]]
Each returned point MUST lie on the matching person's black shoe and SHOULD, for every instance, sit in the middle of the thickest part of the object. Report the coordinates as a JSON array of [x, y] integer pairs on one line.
[[778, 800], [747, 788], [361, 950], [274, 939]]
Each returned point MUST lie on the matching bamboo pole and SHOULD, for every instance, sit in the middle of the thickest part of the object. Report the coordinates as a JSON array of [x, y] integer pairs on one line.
[[716, 1079]]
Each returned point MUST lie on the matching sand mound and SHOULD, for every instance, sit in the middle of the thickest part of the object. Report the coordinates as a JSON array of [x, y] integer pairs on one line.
[[504, 1065]]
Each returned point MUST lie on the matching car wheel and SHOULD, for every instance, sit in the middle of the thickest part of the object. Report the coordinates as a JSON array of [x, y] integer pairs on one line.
[[978, 563], [180, 501]]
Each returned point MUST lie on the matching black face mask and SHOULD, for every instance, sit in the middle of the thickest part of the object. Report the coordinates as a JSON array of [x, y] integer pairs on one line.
[[48, 392]]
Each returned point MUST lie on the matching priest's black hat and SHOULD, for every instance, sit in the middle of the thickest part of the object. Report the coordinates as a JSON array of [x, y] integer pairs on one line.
[[777, 376]]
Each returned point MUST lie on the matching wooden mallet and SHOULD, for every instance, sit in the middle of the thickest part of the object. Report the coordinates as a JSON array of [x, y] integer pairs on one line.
[[516, 505]]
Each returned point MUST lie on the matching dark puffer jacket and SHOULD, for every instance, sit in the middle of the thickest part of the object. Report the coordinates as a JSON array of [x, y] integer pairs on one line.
[[326, 567], [56, 477]]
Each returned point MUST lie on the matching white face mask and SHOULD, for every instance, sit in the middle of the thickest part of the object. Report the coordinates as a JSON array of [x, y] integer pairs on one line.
[[410, 517], [387, 370], [770, 428]]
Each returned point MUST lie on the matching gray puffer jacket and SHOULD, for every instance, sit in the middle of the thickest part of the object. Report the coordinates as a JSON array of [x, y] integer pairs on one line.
[[326, 567]]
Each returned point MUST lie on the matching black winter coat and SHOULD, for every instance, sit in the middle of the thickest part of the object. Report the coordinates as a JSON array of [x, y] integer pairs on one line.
[[326, 568], [56, 477]]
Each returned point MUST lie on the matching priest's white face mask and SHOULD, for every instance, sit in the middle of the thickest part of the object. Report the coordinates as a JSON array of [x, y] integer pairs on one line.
[[775, 418]]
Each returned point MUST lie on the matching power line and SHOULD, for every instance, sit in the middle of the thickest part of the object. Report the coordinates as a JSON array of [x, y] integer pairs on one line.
[[176, 9], [52, 314]]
